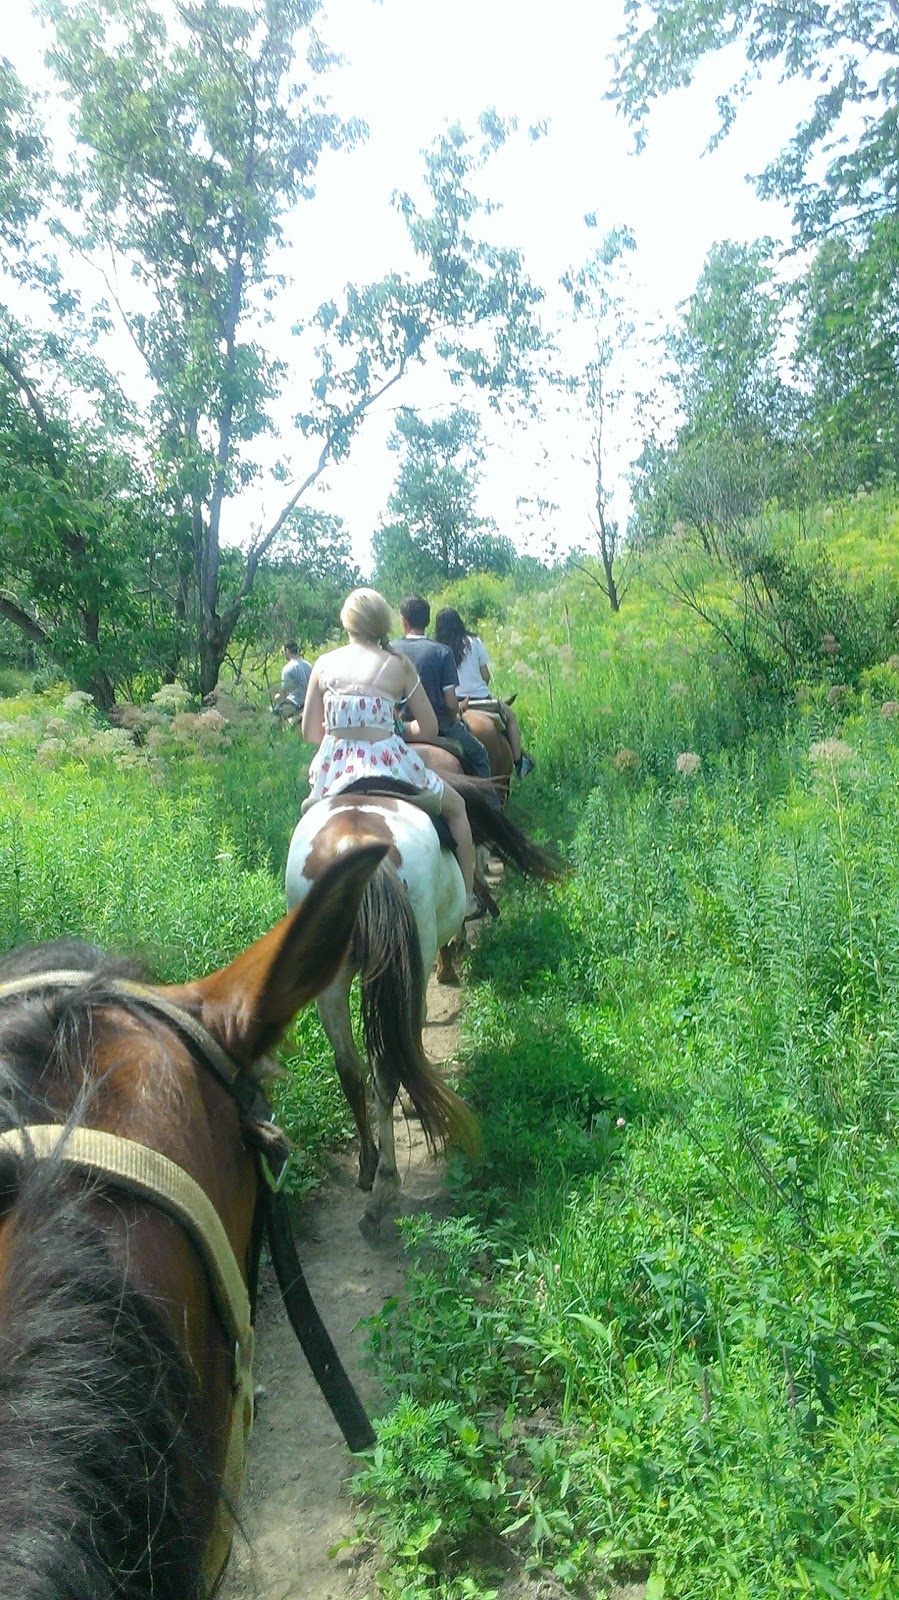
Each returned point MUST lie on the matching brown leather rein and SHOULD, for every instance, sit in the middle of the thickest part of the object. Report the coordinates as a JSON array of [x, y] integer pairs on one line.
[[153, 1177]]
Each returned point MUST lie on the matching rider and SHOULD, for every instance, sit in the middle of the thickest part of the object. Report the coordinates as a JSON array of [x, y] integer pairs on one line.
[[350, 713], [473, 667], [294, 681], [437, 670]]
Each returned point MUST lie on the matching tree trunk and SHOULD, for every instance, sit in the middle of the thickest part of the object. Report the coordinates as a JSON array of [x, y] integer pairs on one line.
[[611, 585], [102, 690]]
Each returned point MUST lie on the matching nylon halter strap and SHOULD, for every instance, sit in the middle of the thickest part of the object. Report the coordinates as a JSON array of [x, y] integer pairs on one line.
[[240, 1085], [151, 1176]]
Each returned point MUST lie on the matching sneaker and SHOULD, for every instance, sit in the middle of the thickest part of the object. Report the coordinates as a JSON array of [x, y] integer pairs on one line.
[[473, 908], [524, 766]]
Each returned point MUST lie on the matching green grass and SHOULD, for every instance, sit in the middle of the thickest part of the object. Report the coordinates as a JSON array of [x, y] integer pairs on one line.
[[662, 1341], [171, 851], [685, 1248]]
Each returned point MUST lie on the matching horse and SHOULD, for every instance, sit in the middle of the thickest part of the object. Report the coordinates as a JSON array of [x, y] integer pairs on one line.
[[129, 1234], [487, 728], [412, 906]]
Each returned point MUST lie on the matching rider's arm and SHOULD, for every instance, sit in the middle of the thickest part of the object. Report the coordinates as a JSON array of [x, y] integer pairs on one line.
[[424, 721], [314, 710], [451, 701]]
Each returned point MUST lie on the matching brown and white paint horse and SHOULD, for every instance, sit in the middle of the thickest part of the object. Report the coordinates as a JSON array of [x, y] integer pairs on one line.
[[128, 1192], [413, 905]]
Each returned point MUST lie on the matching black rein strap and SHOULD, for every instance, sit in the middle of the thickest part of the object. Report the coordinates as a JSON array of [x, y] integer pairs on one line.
[[325, 1364]]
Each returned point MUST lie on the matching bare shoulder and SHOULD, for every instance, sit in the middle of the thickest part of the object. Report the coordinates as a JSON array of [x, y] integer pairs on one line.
[[330, 662], [407, 677]]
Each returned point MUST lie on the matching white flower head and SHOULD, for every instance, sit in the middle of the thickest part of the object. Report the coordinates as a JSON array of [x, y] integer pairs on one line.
[[688, 763]]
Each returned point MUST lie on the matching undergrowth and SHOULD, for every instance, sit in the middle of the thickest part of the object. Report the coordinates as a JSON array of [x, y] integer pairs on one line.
[[660, 1340], [660, 1343], [158, 847]]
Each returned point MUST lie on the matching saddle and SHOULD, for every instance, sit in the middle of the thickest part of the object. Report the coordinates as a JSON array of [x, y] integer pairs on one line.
[[445, 741], [397, 789], [494, 709]]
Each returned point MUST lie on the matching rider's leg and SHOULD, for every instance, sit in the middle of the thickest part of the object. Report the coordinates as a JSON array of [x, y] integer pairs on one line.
[[513, 733], [522, 762], [475, 754], [452, 807]]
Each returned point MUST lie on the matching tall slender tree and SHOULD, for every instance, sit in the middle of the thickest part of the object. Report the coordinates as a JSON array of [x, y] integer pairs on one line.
[[599, 306], [196, 136]]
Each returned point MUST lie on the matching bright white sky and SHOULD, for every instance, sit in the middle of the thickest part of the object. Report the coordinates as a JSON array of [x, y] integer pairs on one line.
[[412, 66]]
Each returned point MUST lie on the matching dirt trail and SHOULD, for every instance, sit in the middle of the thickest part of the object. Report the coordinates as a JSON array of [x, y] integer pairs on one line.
[[295, 1506]]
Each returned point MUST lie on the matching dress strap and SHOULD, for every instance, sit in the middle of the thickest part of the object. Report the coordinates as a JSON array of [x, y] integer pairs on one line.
[[382, 667]]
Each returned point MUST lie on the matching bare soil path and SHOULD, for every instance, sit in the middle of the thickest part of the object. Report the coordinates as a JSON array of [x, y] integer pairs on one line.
[[295, 1505]]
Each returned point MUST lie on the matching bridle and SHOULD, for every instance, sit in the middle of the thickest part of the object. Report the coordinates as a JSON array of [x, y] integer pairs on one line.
[[151, 1176]]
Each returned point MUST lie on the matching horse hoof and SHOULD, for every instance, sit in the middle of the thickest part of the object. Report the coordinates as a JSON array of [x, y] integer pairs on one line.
[[368, 1171]]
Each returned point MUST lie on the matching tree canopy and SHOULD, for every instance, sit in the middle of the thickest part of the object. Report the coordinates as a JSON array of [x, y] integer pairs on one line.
[[198, 131], [849, 47], [432, 533]]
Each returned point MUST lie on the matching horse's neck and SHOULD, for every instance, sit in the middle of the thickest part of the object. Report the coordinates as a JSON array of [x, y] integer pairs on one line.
[[95, 1448]]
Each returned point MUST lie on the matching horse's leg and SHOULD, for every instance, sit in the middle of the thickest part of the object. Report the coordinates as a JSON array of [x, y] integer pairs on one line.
[[334, 1010], [387, 1185], [446, 968]]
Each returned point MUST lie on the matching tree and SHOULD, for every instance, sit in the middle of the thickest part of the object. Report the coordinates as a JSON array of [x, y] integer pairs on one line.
[[848, 356], [435, 533], [597, 301], [299, 588], [849, 46], [82, 544], [80, 551], [738, 417], [725, 352], [194, 142]]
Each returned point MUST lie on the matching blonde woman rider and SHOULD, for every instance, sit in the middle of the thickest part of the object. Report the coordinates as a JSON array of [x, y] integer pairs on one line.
[[350, 713]]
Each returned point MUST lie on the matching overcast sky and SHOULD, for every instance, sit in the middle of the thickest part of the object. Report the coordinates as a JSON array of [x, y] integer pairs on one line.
[[411, 67]]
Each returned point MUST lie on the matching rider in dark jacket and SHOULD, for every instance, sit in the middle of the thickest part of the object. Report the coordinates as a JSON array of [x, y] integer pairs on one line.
[[437, 670]]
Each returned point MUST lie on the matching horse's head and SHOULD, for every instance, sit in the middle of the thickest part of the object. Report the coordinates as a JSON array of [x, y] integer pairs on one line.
[[126, 1109]]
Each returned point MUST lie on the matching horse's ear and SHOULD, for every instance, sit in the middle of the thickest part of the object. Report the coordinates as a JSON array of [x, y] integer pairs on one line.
[[249, 1003]]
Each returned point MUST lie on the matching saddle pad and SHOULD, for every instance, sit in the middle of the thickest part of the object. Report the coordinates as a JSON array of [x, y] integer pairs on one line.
[[492, 709], [398, 790]]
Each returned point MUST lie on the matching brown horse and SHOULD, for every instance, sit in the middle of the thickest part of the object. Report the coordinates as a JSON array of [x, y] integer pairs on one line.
[[440, 760], [128, 1193], [488, 730]]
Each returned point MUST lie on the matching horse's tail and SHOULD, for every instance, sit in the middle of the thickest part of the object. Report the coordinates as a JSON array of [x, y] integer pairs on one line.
[[387, 951], [491, 827]]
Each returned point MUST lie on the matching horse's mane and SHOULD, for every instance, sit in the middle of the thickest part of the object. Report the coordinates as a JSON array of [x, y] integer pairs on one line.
[[50, 1029], [99, 1424]]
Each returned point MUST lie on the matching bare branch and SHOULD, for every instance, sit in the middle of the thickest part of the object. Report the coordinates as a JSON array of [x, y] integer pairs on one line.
[[14, 613]]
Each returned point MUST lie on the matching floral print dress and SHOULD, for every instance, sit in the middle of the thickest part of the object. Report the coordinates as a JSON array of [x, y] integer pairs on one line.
[[341, 759]]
